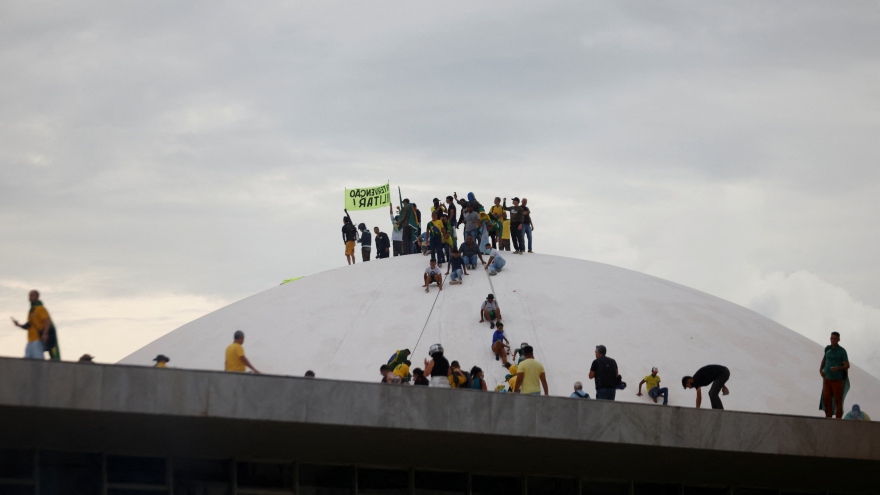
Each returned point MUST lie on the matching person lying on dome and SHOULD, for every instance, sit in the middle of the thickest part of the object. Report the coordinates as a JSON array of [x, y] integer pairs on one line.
[[714, 375], [490, 311], [433, 275], [456, 266], [500, 344]]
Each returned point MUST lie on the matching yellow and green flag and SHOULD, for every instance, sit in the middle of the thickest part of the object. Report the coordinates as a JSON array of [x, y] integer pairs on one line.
[[367, 198]]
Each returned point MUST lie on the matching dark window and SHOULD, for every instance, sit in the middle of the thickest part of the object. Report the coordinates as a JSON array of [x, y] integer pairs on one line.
[[382, 482], [704, 490], [325, 480], [755, 491], [264, 475], [495, 485], [656, 489], [17, 464], [604, 488], [17, 490], [552, 486], [136, 470], [63, 473], [440, 483], [201, 477]]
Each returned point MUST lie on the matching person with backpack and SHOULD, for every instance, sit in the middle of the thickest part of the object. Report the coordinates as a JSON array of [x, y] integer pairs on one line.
[[604, 372], [366, 241], [438, 367], [579, 391], [349, 237]]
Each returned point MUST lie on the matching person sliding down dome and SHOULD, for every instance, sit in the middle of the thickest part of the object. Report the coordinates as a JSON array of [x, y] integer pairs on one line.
[[490, 311], [496, 262], [433, 275]]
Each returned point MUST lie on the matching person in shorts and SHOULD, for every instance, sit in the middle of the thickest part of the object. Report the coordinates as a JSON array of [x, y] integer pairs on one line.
[[349, 237], [490, 311]]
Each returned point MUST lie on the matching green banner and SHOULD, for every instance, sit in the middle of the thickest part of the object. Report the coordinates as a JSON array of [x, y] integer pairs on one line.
[[367, 198]]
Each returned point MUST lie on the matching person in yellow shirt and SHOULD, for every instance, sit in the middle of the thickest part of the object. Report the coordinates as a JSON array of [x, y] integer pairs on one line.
[[402, 370], [161, 361], [505, 234], [653, 387], [38, 328], [235, 360], [530, 375]]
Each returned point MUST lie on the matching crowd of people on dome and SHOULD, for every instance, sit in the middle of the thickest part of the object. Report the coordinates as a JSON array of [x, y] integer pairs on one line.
[[483, 232]]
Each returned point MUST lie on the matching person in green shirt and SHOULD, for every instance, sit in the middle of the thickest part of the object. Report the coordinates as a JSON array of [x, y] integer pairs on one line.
[[833, 371]]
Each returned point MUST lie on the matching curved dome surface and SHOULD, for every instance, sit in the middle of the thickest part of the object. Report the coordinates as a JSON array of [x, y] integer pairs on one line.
[[345, 322]]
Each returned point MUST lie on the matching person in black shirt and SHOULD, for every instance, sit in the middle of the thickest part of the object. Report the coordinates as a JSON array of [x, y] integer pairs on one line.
[[604, 371], [419, 377], [349, 237], [383, 244], [713, 374], [438, 367], [366, 241]]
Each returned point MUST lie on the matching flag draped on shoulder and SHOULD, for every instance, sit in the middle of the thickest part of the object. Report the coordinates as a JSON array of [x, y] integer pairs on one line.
[[367, 198]]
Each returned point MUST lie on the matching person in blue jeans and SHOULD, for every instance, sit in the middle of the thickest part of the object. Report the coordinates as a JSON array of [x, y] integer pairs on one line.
[[652, 382], [496, 262], [604, 371], [470, 253], [527, 225], [456, 266]]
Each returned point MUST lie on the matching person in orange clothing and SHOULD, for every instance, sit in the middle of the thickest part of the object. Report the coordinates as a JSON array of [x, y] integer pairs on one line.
[[40, 329], [235, 360]]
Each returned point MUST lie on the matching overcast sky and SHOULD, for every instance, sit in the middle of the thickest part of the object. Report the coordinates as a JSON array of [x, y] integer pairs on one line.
[[158, 161]]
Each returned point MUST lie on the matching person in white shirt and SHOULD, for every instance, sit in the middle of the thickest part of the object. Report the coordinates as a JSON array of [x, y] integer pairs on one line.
[[433, 274], [396, 234], [496, 262]]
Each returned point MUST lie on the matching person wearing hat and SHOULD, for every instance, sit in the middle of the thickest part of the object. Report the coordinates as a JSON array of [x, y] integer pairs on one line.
[[490, 311], [496, 262], [500, 344], [653, 387], [530, 377], [516, 224], [349, 237], [714, 375], [86, 358], [161, 361]]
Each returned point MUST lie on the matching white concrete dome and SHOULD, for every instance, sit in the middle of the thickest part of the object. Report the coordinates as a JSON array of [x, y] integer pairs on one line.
[[345, 323]]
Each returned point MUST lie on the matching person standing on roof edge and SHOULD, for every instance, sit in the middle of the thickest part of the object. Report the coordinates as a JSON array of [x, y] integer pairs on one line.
[[528, 226], [39, 330], [366, 241], [235, 359], [833, 369], [349, 237], [490, 311], [604, 371], [530, 374], [714, 375], [653, 387], [161, 361], [516, 221], [496, 262], [383, 244], [396, 234]]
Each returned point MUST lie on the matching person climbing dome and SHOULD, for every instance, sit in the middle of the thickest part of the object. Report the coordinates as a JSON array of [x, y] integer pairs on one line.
[[456, 266], [496, 262], [433, 275], [500, 344], [438, 367], [714, 375], [490, 311], [398, 357]]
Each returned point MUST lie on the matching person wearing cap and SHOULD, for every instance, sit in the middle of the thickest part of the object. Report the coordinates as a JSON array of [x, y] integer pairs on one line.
[[86, 358], [516, 221], [604, 371], [490, 311], [857, 414], [653, 387], [433, 275], [235, 359], [500, 344], [383, 244], [161, 361], [579, 391], [496, 262], [714, 375], [349, 237], [530, 377]]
